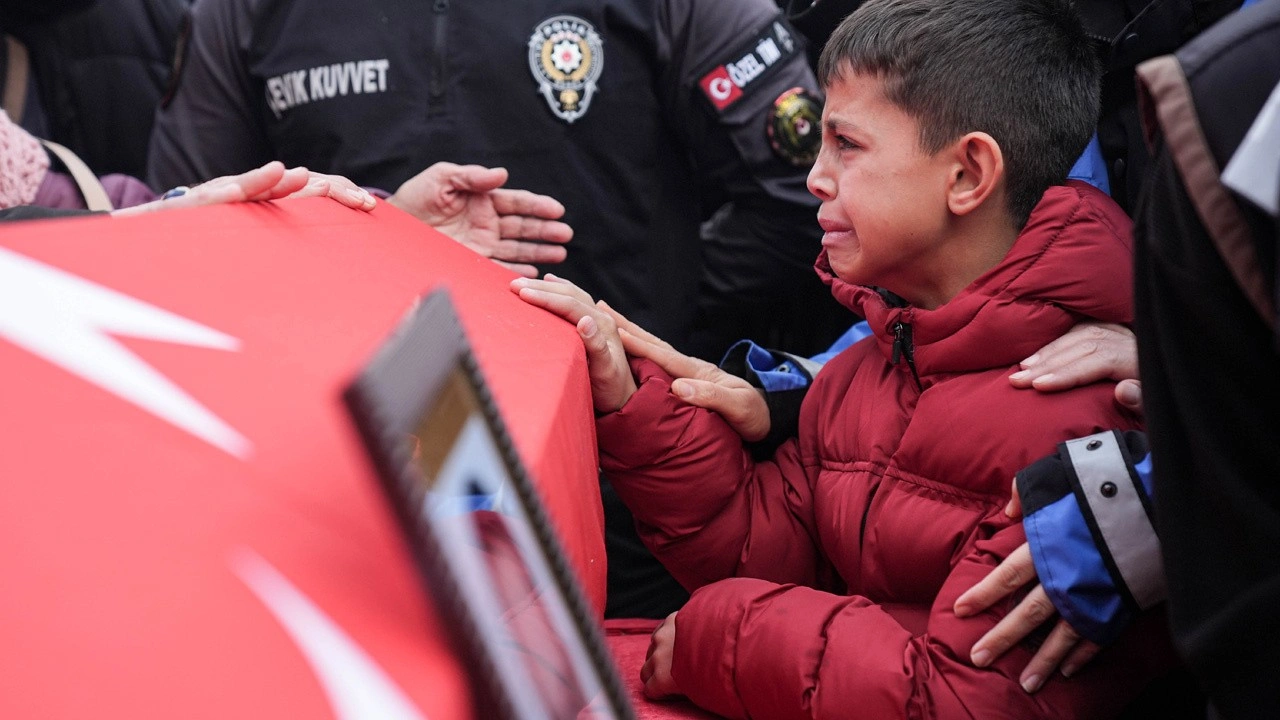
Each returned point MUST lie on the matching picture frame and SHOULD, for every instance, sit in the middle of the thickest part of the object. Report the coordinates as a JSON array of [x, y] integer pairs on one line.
[[479, 533]]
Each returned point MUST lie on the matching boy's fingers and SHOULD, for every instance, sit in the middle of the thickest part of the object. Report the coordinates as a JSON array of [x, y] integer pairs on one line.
[[596, 342], [552, 285], [1012, 573], [556, 283], [566, 306]]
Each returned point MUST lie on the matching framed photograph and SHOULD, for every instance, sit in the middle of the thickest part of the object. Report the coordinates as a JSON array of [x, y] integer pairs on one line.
[[478, 530]]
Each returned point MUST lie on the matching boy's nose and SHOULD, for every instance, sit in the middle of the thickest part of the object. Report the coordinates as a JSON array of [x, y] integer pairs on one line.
[[820, 182]]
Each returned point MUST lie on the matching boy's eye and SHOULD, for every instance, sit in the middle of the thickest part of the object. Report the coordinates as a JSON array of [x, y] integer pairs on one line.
[[845, 143]]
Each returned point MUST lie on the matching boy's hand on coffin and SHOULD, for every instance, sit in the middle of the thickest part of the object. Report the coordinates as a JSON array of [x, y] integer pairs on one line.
[[611, 381]]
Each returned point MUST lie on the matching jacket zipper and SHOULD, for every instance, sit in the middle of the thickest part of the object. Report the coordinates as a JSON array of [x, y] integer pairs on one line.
[[903, 347], [438, 66]]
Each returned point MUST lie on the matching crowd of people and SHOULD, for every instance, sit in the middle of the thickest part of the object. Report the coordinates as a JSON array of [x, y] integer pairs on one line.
[[922, 481]]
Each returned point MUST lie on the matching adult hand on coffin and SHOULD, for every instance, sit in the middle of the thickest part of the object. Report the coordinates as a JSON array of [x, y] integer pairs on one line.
[[514, 228], [270, 182]]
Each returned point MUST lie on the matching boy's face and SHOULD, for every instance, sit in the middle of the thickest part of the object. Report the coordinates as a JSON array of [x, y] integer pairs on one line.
[[884, 201]]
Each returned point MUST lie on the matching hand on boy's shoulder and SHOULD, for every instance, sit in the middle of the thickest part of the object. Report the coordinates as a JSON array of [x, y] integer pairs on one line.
[[1089, 352]]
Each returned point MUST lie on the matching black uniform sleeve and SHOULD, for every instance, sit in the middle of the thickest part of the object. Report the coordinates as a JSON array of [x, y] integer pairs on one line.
[[208, 127], [742, 96]]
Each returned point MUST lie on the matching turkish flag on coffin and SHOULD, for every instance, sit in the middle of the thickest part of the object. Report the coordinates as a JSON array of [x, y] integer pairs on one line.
[[189, 526]]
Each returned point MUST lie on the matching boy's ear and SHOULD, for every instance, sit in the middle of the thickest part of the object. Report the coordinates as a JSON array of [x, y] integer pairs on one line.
[[977, 172]]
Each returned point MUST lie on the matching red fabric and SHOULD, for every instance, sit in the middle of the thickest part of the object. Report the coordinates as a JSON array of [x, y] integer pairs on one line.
[[628, 641], [892, 498], [124, 534]]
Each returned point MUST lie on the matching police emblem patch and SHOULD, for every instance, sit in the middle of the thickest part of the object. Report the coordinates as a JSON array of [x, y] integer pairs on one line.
[[793, 127], [566, 56]]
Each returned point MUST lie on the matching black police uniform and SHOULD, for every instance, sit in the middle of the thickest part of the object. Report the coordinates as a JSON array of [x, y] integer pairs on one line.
[[641, 116]]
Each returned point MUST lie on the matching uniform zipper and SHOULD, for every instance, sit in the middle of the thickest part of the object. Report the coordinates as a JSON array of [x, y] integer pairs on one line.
[[439, 60], [903, 347]]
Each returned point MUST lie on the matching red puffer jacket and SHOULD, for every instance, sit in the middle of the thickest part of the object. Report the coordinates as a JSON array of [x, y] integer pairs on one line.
[[848, 549]]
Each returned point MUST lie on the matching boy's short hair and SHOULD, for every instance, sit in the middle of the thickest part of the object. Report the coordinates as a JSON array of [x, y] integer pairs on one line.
[[1022, 71]]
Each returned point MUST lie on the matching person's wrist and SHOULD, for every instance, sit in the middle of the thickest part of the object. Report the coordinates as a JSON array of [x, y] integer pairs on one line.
[[620, 402]]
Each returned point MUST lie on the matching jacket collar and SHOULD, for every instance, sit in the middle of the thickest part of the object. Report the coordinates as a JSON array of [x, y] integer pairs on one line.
[[1071, 262]]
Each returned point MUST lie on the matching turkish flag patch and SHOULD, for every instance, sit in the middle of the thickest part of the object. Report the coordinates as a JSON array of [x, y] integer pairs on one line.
[[719, 88]]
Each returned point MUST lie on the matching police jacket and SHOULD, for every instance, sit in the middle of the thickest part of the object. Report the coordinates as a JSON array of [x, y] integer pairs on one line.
[[641, 116]]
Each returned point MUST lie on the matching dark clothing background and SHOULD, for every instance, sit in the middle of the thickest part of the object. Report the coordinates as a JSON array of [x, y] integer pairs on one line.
[[649, 161], [1128, 32], [1212, 392], [99, 70]]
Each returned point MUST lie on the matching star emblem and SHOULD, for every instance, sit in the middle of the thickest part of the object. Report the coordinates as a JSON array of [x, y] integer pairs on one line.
[[566, 56]]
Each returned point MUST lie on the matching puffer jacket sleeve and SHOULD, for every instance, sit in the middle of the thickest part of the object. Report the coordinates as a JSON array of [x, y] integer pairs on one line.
[[705, 509], [751, 648]]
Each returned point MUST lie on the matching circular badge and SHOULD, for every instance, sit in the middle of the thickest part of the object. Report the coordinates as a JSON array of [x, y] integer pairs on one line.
[[566, 56], [793, 127]]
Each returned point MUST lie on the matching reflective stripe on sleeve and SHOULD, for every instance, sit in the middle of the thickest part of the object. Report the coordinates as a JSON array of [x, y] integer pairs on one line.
[[1118, 513]]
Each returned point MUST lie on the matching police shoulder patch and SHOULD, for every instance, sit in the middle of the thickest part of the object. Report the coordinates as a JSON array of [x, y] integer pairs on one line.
[[566, 56], [793, 127], [745, 65]]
